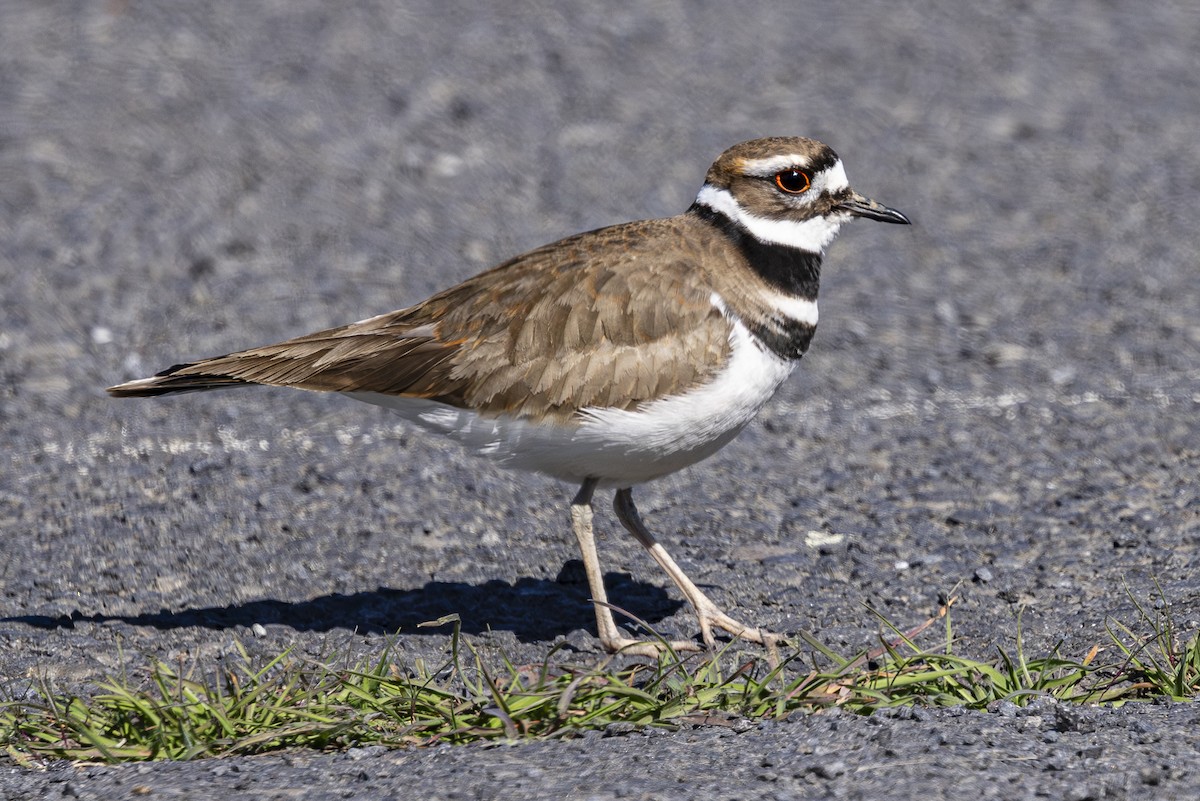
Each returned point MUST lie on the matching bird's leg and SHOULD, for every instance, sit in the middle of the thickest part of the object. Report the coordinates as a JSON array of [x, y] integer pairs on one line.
[[610, 636], [708, 613], [581, 521]]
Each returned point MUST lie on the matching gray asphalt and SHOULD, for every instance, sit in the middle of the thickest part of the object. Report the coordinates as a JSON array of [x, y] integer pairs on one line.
[[1000, 402]]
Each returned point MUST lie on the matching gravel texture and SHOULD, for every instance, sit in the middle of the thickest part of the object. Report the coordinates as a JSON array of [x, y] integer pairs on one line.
[[1001, 401], [1043, 751]]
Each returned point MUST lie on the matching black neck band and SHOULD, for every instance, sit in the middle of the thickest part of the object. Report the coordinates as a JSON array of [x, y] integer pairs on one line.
[[791, 270]]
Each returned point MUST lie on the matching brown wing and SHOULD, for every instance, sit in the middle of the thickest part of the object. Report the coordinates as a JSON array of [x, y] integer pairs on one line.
[[613, 317]]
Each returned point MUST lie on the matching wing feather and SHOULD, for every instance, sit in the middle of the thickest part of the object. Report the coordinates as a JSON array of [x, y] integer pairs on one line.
[[582, 323]]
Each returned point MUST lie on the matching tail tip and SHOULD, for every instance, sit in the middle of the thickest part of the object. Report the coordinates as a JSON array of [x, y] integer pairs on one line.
[[132, 389]]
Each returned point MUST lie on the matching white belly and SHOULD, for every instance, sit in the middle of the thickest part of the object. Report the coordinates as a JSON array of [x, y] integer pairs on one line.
[[620, 448]]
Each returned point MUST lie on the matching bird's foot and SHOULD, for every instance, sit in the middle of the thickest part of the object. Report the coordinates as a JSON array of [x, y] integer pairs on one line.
[[708, 613], [649, 648], [711, 616]]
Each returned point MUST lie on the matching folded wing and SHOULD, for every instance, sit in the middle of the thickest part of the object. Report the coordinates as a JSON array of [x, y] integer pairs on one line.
[[572, 325]]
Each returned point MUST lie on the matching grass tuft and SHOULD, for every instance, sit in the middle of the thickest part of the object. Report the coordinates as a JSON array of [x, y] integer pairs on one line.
[[295, 702]]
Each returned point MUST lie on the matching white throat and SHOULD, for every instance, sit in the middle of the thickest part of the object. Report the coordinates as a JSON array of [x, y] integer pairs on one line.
[[812, 235]]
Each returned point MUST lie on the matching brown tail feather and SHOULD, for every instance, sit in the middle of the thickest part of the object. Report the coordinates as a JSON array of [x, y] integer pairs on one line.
[[168, 381]]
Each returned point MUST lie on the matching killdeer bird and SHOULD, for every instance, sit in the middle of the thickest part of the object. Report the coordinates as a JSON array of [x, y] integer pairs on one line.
[[606, 359]]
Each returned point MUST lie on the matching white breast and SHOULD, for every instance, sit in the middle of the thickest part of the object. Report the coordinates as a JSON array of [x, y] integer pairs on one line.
[[619, 447]]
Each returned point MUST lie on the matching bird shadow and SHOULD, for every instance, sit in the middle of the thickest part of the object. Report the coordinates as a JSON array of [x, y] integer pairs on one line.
[[532, 609]]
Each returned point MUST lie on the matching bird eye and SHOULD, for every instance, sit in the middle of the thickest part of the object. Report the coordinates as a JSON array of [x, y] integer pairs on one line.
[[793, 181]]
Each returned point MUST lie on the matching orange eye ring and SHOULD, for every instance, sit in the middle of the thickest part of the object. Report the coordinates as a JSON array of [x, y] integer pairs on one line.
[[794, 181]]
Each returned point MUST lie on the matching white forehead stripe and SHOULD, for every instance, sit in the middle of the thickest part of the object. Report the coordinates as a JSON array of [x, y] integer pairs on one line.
[[831, 180], [813, 235], [764, 168]]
